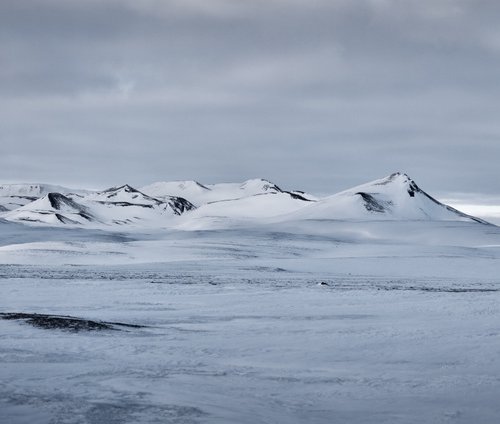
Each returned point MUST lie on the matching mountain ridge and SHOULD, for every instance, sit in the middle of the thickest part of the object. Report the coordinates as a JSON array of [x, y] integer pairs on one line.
[[394, 197]]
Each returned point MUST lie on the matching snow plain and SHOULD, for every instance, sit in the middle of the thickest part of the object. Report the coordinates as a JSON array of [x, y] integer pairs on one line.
[[253, 321]]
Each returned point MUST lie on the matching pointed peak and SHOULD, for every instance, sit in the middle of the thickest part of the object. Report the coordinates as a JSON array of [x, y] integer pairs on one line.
[[398, 175], [260, 183], [125, 187], [397, 182]]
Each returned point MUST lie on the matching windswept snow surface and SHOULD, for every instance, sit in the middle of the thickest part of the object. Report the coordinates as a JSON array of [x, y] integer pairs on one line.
[[226, 316]]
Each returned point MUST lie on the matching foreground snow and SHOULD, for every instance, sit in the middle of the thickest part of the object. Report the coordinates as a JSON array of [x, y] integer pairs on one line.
[[228, 316], [327, 321], [264, 345]]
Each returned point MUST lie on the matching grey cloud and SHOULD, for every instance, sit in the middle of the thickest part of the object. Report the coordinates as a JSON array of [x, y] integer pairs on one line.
[[317, 95]]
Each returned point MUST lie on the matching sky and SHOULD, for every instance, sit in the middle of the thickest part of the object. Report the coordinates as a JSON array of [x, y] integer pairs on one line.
[[318, 95]]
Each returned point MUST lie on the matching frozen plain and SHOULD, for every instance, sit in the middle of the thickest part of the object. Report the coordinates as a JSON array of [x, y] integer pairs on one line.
[[238, 327]]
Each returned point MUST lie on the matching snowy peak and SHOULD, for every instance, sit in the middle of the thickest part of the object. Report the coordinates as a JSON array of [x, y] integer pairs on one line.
[[258, 186], [200, 194], [396, 182], [399, 180], [398, 193], [123, 188], [13, 196], [190, 190], [124, 195], [395, 197], [116, 205], [121, 192], [52, 208], [60, 202], [132, 205], [382, 195], [263, 186]]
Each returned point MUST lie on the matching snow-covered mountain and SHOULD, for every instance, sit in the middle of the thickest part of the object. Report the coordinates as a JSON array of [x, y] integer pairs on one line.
[[13, 196], [128, 196], [35, 190], [396, 197], [192, 190], [200, 194], [125, 204], [53, 208], [249, 208], [117, 205]]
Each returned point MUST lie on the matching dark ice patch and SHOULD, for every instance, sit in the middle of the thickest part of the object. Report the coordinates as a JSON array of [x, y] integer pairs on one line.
[[63, 322], [125, 204], [128, 411], [297, 196], [438, 289]]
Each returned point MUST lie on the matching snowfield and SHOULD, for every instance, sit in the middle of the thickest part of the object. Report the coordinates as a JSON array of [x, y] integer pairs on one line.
[[253, 305]]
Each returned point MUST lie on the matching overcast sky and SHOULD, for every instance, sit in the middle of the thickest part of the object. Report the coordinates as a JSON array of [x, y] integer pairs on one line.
[[318, 95]]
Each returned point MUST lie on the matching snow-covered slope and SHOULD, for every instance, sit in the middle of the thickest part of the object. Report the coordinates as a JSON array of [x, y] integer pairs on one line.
[[396, 197], [53, 208], [249, 208], [34, 190], [13, 196], [192, 190], [117, 205], [200, 194], [126, 205], [128, 196]]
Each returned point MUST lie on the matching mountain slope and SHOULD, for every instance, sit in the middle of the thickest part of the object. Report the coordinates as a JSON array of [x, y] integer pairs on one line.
[[126, 205], [53, 208], [128, 196], [117, 205], [396, 197], [187, 189], [13, 196], [251, 209], [200, 194]]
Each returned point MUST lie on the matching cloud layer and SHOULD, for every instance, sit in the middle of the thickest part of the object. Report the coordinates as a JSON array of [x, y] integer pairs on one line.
[[318, 95]]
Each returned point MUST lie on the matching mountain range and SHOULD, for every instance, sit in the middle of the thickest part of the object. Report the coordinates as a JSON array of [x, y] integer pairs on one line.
[[189, 203]]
